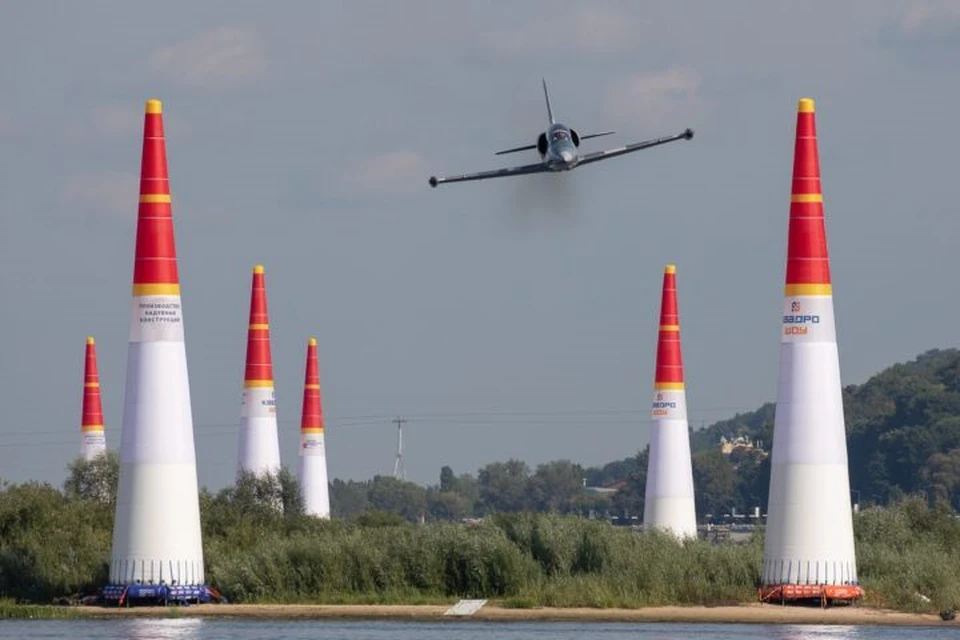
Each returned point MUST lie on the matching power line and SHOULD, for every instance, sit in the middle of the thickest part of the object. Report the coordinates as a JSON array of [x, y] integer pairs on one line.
[[595, 416]]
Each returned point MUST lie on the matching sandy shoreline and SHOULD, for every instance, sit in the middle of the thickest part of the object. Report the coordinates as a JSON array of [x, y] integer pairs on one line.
[[742, 614]]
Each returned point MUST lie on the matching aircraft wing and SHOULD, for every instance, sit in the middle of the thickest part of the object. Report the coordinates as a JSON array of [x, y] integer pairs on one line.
[[630, 148], [539, 167]]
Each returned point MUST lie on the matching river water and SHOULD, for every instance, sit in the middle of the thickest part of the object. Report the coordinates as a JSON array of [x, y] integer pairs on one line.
[[221, 629]]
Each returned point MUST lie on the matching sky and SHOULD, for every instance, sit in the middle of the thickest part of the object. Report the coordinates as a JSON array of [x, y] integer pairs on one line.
[[512, 318]]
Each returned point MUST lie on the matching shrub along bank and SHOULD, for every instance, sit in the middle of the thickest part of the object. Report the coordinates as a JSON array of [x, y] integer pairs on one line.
[[56, 543]]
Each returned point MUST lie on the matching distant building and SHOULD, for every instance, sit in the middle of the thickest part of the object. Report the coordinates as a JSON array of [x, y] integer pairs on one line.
[[740, 442]]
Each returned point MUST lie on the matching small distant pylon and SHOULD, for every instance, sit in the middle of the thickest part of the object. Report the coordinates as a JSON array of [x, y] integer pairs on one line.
[[313, 449], [398, 471], [93, 442]]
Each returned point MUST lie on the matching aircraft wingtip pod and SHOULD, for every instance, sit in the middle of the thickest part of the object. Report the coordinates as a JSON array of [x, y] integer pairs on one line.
[[92, 442], [669, 499], [808, 264], [809, 549], [259, 450]]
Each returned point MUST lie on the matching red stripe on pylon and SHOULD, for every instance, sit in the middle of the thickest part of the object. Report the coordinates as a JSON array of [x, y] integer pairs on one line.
[[808, 262], [92, 411], [156, 255], [259, 361], [312, 417], [669, 359]]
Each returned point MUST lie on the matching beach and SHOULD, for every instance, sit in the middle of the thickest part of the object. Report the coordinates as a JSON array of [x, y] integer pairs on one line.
[[738, 614]]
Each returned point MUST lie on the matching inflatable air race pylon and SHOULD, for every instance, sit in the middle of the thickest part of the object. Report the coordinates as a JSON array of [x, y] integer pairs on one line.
[[669, 503], [93, 442], [809, 551], [259, 451], [157, 551], [313, 455]]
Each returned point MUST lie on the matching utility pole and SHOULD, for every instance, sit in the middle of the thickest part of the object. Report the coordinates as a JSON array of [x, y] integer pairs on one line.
[[398, 471]]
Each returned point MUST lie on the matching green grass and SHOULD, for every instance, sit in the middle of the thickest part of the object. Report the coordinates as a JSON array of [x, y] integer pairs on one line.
[[10, 610]]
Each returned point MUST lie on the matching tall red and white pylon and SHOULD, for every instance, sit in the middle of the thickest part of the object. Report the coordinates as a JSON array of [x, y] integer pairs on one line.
[[259, 451], [312, 471], [809, 548], [669, 501], [93, 442], [156, 532]]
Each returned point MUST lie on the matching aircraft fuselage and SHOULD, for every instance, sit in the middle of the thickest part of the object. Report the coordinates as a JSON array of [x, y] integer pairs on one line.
[[561, 152]]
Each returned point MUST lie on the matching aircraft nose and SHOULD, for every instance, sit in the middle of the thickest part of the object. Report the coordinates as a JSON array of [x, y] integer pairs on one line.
[[567, 155]]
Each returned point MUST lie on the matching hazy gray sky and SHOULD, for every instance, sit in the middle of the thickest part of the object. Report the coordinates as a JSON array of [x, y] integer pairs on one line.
[[300, 135]]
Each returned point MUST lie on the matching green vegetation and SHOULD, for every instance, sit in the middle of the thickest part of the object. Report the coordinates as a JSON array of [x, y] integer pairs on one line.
[[10, 610], [56, 543], [522, 536]]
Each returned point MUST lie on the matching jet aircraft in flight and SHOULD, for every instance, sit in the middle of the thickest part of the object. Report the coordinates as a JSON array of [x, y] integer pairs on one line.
[[558, 148]]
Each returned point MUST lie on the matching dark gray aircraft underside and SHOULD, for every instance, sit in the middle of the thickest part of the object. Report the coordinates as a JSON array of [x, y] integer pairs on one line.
[[558, 148]]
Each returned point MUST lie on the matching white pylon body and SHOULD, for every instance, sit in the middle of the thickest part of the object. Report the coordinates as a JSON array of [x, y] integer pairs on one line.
[[93, 444], [809, 534], [312, 472], [156, 534], [669, 500], [259, 448]]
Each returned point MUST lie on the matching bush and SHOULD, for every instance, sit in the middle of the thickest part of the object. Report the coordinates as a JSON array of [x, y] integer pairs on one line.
[[259, 547]]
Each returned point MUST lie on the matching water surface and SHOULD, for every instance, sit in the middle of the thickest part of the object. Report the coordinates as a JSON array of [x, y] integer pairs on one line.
[[223, 629]]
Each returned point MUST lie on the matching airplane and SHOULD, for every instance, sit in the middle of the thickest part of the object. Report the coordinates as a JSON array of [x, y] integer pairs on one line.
[[558, 148]]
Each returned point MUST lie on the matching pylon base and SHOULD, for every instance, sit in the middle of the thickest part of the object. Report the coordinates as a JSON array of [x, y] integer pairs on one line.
[[131, 595], [826, 594]]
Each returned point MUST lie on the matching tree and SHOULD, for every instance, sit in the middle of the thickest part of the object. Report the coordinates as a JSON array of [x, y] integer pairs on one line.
[[94, 479], [630, 499], [715, 483], [555, 486], [447, 479], [399, 497], [348, 499], [447, 505], [503, 486], [942, 478]]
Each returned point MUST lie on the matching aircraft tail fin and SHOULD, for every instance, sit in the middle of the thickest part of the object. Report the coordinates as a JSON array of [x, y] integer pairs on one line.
[[546, 95]]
